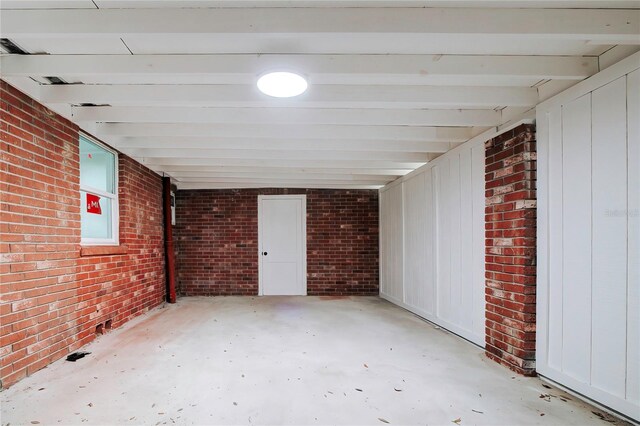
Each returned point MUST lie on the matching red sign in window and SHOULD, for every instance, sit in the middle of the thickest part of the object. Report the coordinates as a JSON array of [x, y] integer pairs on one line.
[[93, 204]]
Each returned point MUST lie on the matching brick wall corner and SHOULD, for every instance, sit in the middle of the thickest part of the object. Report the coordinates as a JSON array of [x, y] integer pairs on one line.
[[510, 248]]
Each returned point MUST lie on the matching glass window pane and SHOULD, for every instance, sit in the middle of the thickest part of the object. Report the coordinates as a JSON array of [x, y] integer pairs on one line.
[[97, 167], [95, 216]]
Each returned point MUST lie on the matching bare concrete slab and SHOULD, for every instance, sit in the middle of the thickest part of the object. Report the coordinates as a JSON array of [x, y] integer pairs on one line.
[[286, 360]]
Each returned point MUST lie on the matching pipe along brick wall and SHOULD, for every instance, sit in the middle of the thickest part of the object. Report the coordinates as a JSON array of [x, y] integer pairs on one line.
[[217, 239], [52, 296], [510, 224]]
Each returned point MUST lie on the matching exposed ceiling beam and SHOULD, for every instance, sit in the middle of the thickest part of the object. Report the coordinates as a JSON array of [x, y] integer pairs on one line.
[[223, 154], [390, 145], [320, 69], [258, 170], [286, 131], [321, 96], [298, 181], [39, 4], [380, 117], [266, 184], [183, 176], [573, 24], [340, 163]]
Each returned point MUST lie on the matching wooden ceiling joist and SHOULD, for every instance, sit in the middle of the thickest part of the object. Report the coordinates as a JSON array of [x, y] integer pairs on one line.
[[583, 24], [328, 96]]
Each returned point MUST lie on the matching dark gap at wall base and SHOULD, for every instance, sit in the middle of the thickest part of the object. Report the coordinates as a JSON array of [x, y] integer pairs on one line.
[[216, 238]]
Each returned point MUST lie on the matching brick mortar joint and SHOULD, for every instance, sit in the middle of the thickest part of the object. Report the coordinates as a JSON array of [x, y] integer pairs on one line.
[[529, 353]]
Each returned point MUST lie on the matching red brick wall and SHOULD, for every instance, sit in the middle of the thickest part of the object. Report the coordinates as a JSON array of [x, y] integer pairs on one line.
[[51, 297], [217, 238], [510, 223], [217, 242]]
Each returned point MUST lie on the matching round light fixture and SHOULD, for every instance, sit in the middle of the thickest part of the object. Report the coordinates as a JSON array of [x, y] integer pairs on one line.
[[282, 84]]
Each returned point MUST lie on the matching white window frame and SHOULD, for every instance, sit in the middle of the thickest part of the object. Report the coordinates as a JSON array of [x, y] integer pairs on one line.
[[115, 205]]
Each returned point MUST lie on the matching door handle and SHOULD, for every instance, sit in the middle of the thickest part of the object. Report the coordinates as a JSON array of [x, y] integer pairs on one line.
[[264, 253]]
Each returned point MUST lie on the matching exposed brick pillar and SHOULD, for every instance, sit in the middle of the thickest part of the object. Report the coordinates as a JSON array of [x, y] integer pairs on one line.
[[510, 244]]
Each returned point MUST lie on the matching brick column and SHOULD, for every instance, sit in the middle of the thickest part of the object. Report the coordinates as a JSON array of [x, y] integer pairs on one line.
[[510, 247]]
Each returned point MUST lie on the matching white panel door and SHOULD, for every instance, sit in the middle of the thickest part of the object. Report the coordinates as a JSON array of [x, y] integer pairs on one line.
[[282, 234], [588, 320]]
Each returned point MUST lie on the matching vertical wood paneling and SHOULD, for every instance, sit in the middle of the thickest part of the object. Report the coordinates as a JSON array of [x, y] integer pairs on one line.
[[478, 279], [576, 236], [382, 214], [397, 290], [443, 224], [633, 244], [455, 240], [609, 240], [415, 241], [542, 234], [555, 238], [588, 320], [384, 242], [392, 243], [466, 241], [443, 241], [430, 259]]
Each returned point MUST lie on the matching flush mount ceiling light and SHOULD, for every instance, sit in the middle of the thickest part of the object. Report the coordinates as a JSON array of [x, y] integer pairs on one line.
[[282, 84]]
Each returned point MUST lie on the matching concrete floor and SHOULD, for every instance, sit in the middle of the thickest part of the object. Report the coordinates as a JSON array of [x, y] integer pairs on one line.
[[285, 360]]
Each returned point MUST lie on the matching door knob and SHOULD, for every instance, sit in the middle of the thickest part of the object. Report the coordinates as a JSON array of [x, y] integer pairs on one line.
[[264, 253]]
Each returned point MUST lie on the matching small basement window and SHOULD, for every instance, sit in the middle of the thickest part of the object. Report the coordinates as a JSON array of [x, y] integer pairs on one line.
[[98, 193]]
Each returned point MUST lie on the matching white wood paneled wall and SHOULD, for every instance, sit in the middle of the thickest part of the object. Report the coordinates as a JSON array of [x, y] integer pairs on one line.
[[589, 239], [391, 242], [432, 241]]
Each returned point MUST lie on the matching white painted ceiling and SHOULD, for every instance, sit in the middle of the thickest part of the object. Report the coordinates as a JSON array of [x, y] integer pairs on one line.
[[393, 84]]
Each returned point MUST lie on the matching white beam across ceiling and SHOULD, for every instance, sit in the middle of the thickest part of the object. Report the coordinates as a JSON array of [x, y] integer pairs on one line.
[[265, 169], [340, 163], [267, 184], [622, 26], [118, 4], [320, 69], [298, 180], [379, 117], [279, 144], [224, 154], [287, 131], [281, 176], [321, 96]]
